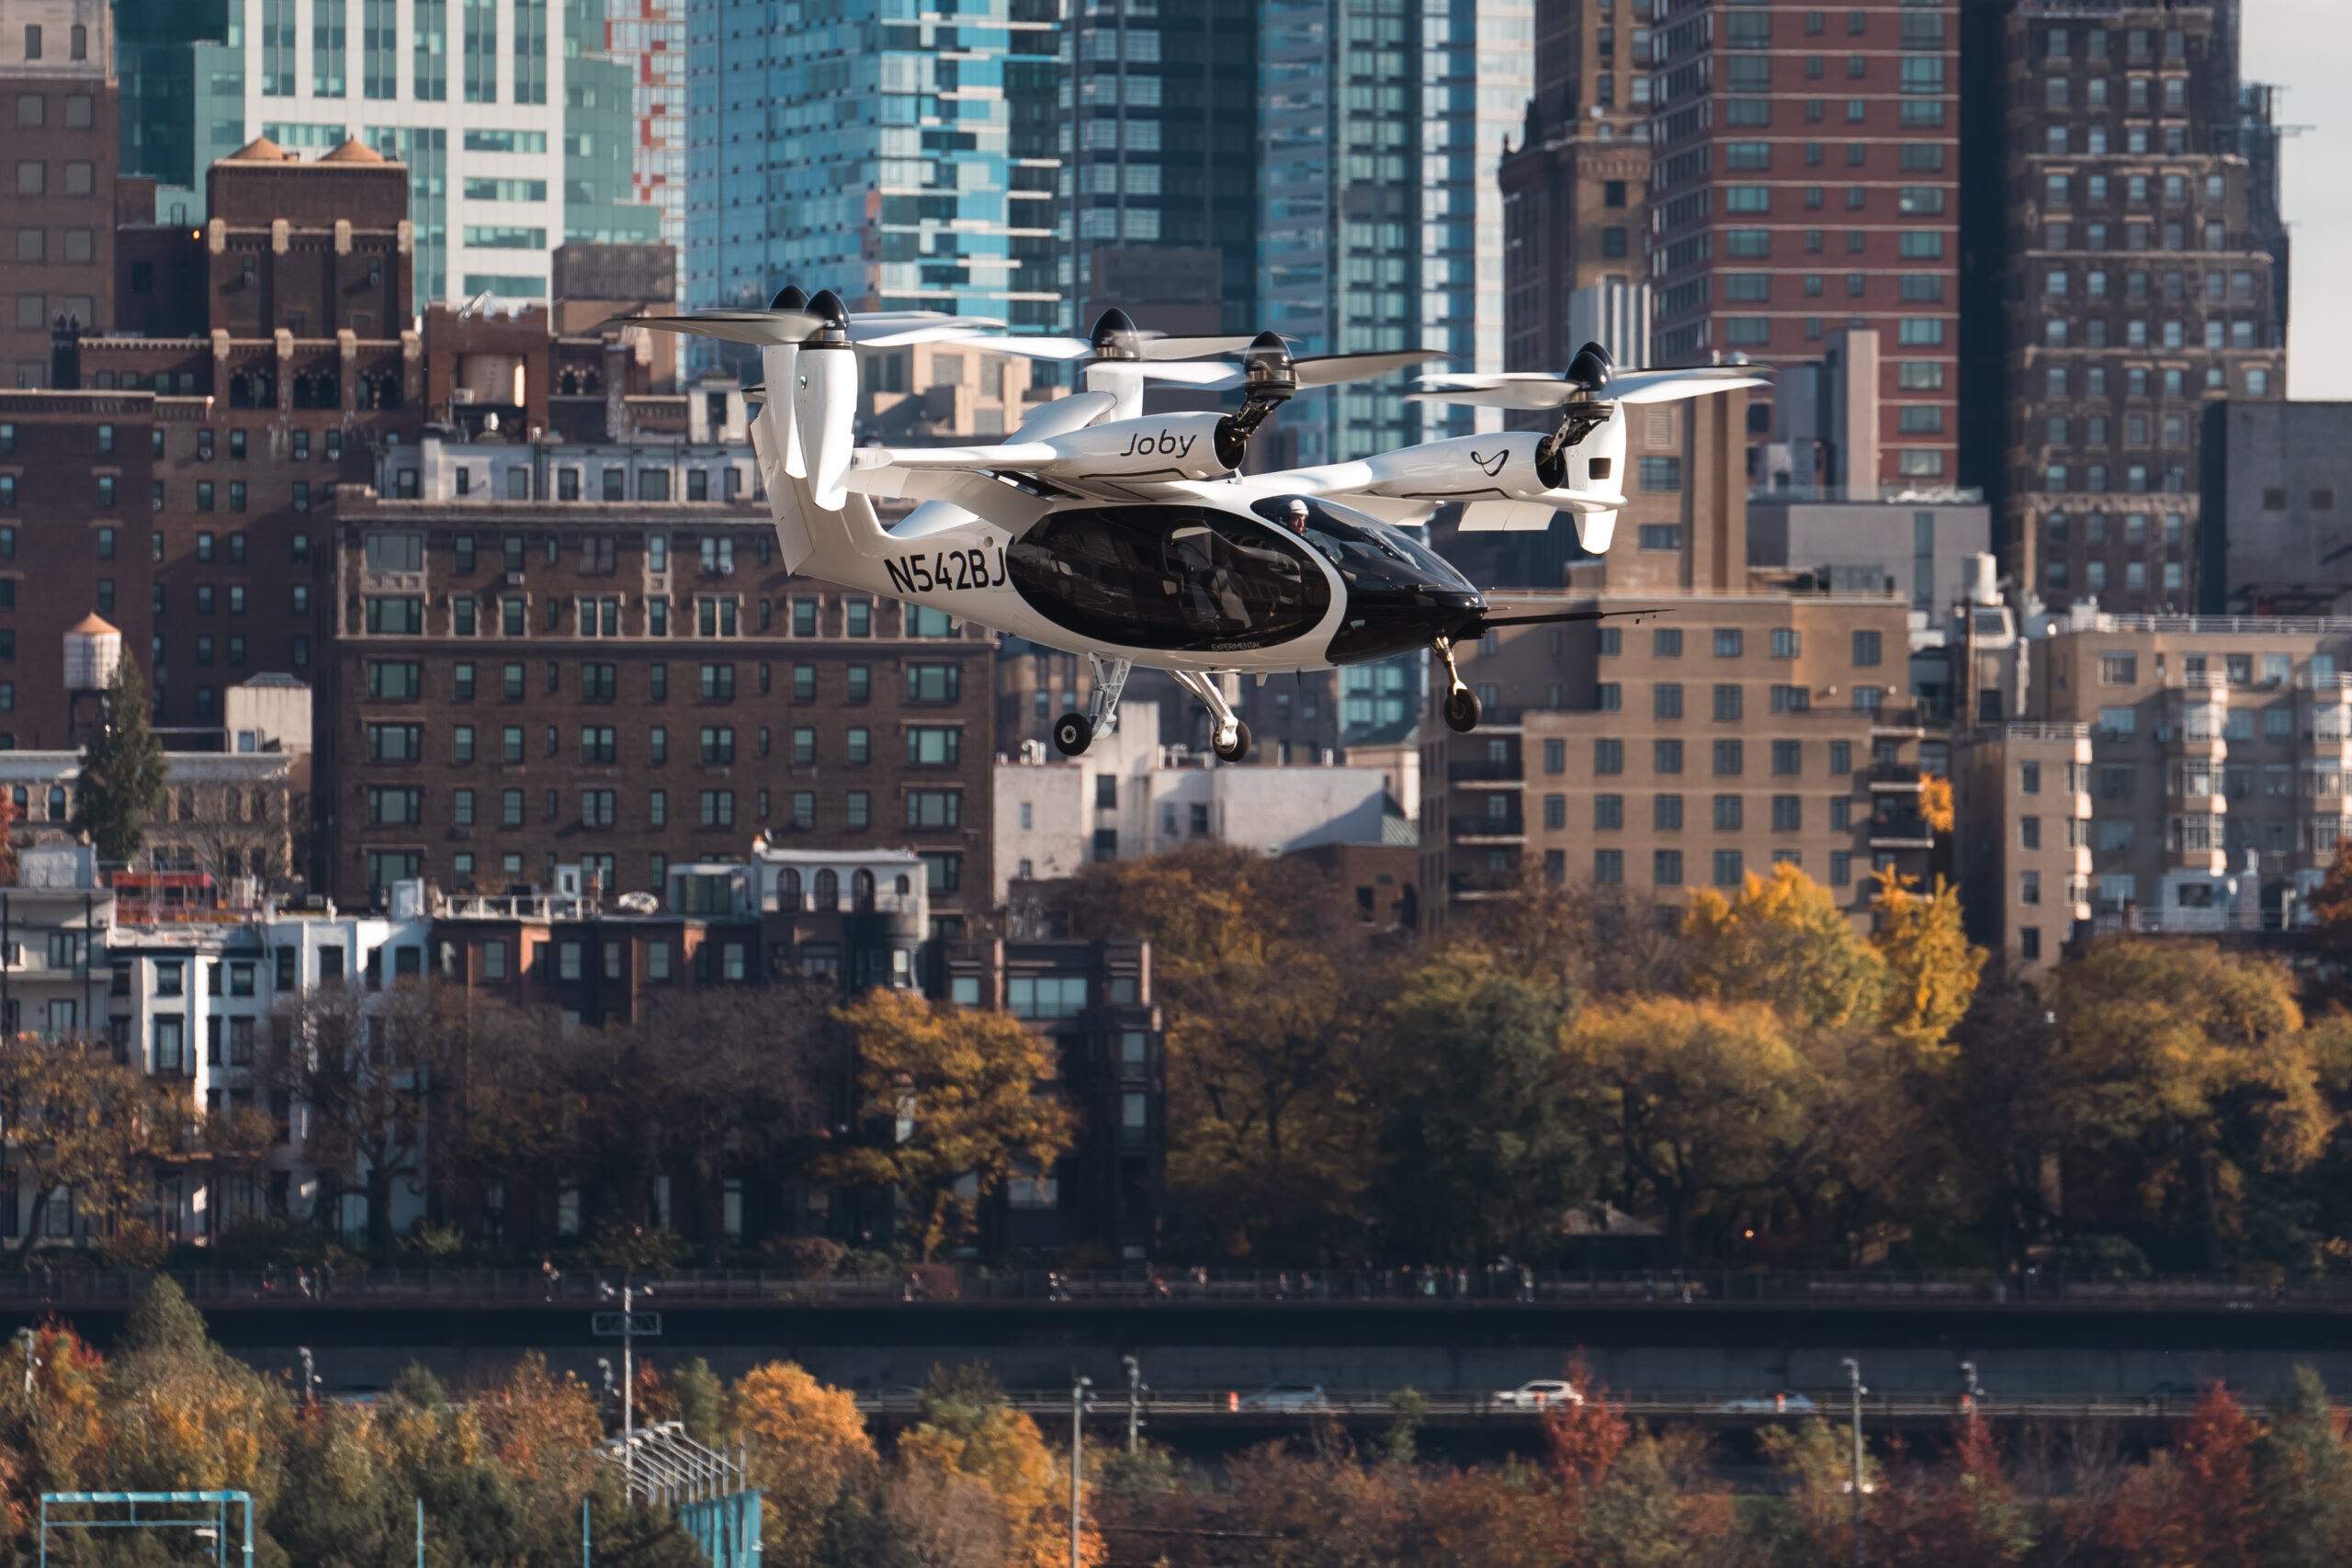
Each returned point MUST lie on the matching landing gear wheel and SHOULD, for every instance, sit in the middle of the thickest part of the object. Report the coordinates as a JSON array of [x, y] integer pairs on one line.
[[1240, 747], [1073, 732], [1462, 710]]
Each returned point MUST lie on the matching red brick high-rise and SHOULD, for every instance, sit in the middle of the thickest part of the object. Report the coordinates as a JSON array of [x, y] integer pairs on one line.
[[1805, 179]]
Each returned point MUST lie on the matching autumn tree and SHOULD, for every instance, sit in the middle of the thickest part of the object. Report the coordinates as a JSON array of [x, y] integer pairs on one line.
[[1700, 1100], [79, 1123], [962, 1089], [364, 1064], [2190, 1073], [705, 1085], [123, 771], [1932, 966], [2331, 902], [1271, 1004], [975, 1462], [1783, 940], [806, 1445], [1480, 1150]]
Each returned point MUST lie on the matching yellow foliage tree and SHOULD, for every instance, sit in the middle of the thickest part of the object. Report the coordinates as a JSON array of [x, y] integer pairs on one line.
[[1932, 966], [969, 1433], [1935, 802], [2194, 1066], [805, 1443], [965, 1086], [1783, 940], [1702, 1100]]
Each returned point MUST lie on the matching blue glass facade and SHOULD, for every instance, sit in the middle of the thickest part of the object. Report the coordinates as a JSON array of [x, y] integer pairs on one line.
[[905, 155], [1381, 228]]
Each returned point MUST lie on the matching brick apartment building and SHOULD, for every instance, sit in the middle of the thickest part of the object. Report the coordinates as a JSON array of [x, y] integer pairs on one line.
[[1804, 180], [58, 96], [1575, 208], [626, 685], [2143, 255], [73, 541]]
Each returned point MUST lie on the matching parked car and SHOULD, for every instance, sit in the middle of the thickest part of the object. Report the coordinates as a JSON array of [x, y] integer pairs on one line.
[[1781, 1403], [1540, 1392], [1289, 1397]]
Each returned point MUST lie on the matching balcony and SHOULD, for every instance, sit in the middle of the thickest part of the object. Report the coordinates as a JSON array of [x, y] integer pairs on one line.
[[1484, 773], [1900, 828], [1488, 829], [1894, 721], [1901, 777], [1477, 885]]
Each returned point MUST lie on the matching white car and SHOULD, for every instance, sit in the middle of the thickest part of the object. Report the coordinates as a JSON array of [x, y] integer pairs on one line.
[[1541, 1391]]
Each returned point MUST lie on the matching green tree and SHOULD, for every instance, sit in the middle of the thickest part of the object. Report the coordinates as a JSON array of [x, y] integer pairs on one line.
[[1479, 1150], [2303, 1475], [123, 771], [1701, 1101], [1783, 940], [963, 1090], [2188, 1072]]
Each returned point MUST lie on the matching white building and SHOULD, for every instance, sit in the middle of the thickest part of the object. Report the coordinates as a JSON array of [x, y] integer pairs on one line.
[[1128, 796]]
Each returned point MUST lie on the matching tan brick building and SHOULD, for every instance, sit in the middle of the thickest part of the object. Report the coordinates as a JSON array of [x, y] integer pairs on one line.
[[1731, 732], [2219, 750]]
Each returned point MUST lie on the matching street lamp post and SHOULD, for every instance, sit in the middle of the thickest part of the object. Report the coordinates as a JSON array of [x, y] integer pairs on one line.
[[1077, 1429], [1968, 1371], [1134, 1399], [1854, 1382], [629, 1294]]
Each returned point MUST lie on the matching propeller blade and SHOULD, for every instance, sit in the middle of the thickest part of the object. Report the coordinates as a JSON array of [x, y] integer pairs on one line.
[[1667, 386], [1331, 369], [1211, 373], [1032, 347], [763, 327], [1477, 380], [894, 335], [1550, 392], [1193, 347]]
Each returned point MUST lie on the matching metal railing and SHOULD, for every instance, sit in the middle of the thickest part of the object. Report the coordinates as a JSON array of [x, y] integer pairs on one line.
[[1286, 1404], [932, 1285]]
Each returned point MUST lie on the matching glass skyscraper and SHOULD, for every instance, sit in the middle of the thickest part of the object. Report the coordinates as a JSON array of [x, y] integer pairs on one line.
[[1381, 228], [1161, 151], [906, 157]]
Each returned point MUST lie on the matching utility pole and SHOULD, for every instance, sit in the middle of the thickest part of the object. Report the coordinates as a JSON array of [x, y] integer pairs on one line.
[[1077, 1443], [1134, 1399], [1854, 1380], [629, 1294]]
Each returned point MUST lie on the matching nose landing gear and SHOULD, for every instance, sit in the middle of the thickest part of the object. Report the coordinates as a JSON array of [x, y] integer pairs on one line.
[[1461, 703], [1074, 732]]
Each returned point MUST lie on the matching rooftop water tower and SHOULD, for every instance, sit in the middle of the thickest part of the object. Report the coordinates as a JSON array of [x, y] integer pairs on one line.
[[93, 649]]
